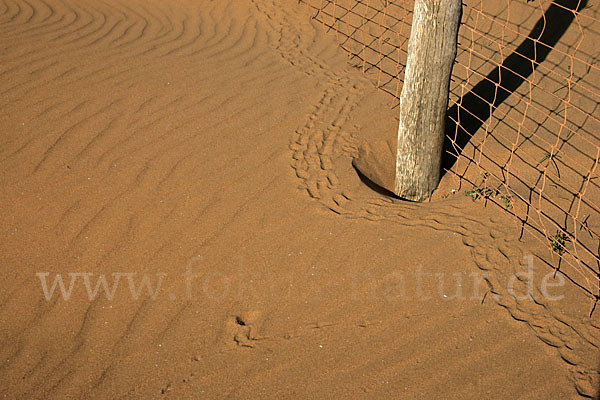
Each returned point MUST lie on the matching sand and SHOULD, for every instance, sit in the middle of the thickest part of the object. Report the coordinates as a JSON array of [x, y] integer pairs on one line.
[[206, 147]]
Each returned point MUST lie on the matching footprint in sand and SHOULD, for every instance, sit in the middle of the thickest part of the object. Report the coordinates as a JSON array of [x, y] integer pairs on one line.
[[243, 330]]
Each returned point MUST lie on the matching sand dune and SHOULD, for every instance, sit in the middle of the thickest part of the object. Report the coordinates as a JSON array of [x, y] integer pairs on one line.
[[206, 146]]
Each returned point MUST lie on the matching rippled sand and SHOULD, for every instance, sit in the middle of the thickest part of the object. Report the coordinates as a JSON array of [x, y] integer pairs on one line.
[[204, 148]]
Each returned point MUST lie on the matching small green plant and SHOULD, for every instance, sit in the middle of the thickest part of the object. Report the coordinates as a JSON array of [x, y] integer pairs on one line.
[[479, 192], [558, 242], [505, 200], [482, 192]]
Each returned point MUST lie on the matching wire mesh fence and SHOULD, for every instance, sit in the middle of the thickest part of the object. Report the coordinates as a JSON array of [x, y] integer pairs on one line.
[[523, 125]]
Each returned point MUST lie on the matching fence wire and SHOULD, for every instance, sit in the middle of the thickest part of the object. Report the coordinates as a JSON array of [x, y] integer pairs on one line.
[[523, 124]]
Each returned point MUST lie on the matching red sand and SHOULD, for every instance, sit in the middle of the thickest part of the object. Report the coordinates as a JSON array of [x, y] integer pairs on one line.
[[209, 144]]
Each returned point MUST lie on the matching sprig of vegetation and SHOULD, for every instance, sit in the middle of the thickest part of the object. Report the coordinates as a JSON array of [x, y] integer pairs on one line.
[[481, 192], [558, 242], [505, 200], [484, 192]]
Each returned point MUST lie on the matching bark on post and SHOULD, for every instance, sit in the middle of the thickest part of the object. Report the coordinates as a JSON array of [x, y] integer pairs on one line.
[[424, 98]]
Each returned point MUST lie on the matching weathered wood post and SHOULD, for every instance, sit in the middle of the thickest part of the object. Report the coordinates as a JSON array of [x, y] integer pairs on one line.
[[424, 97]]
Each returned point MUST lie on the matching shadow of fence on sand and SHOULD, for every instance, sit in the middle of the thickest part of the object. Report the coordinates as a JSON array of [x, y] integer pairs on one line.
[[524, 111]]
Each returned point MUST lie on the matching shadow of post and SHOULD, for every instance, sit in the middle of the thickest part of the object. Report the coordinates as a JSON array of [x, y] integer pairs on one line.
[[476, 107]]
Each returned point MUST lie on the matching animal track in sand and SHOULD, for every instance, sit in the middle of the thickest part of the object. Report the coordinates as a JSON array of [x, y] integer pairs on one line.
[[141, 143], [243, 330], [498, 253], [322, 150]]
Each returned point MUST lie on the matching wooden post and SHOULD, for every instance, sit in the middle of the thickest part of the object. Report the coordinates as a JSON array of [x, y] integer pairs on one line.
[[424, 97]]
